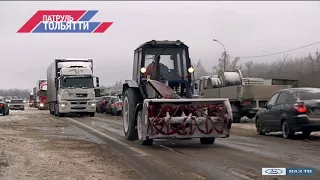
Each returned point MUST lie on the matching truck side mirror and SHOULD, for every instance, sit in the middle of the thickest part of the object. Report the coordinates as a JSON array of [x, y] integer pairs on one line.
[[195, 86], [97, 81]]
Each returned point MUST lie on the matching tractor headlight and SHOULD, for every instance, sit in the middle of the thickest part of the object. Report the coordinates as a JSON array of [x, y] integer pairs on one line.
[[143, 70], [191, 70]]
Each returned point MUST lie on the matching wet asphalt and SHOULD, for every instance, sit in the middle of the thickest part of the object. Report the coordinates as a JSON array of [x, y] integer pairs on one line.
[[239, 157]]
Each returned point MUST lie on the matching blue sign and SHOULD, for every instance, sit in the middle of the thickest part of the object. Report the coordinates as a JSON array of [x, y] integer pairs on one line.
[[301, 171]]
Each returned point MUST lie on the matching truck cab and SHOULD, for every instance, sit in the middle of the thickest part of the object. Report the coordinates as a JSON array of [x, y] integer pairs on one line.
[[71, 87]]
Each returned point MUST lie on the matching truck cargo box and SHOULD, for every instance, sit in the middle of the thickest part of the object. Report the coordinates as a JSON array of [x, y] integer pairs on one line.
[[243, 92]]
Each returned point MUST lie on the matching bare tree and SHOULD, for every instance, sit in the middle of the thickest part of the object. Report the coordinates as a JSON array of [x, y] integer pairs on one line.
[[200, 70], [248, 66], [304, 69], [283, 61]]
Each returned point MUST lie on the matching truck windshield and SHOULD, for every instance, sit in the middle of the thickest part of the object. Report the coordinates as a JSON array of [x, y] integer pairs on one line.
[[77, 82], [16, 101], [43, 93]]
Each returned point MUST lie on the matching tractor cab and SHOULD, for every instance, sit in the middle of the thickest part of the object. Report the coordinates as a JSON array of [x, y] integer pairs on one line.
[[167, 62]]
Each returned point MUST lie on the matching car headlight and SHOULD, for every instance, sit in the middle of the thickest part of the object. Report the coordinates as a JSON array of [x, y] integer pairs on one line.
[[41, 104]]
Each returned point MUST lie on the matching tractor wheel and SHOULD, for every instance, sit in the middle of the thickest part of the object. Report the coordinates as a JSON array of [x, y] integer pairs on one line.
[[147, 142], [131, 99]]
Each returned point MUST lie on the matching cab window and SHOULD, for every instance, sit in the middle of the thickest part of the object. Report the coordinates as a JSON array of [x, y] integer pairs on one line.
[[272, 101]]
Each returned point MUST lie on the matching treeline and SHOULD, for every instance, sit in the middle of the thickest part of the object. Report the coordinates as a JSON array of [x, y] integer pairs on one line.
[[306, 69], [19, 93]]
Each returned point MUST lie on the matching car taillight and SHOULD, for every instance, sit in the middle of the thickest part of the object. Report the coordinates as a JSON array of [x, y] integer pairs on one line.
[[1, 105], [245, 103], [119, 103], [112, 104], [300, 107], [104, 101]]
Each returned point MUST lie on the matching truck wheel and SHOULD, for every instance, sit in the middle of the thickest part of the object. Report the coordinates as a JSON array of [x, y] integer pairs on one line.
[[55, 110], [287, 132], [131, 99], [60, 114], [92, 114], [236, 119], [207, 140], [147, 142], [250, 116]]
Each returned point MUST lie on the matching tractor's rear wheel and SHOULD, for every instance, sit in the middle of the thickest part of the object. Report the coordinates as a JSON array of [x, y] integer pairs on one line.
[[131, 99]]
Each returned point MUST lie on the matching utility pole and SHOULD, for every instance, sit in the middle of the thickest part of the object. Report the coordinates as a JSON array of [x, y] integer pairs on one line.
[[225, 55]]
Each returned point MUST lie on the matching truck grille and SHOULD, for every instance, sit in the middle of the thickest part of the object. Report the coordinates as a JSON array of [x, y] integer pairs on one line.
[[78, 107], [81, 95], [78, 102]]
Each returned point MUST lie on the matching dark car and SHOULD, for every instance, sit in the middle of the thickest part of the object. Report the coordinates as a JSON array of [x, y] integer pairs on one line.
[[291, 110], [97, 100], [110, 104], [101, 107], [4, 107]]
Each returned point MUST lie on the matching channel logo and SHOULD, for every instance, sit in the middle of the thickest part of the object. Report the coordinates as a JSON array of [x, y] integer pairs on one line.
[[274, 171], [289, 171]]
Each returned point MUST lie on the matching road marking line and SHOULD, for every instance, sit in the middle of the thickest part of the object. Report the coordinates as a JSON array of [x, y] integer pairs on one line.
[[166, 147], [198, 176], [107, 127], [109, 121], [111, 138], [241, 175]]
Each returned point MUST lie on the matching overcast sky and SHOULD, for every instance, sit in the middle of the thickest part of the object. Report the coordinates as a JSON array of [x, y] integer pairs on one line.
[[245, 28]]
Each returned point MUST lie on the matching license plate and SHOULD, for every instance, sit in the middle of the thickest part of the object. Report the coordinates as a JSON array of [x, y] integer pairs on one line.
[[316, 111]]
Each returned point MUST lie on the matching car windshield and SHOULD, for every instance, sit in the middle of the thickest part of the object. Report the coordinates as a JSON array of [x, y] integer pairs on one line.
[[112, 100], [106, 98], [173, 59], [77, 82], [308, 95], [16, 101]]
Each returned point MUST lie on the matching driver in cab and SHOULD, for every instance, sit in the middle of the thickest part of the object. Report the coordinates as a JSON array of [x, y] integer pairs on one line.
[[151, 69]]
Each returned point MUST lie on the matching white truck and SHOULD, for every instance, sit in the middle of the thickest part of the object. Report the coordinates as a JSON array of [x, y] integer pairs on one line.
[[71, 87]]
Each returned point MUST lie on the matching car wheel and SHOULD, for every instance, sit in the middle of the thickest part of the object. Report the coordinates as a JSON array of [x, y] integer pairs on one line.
[[259, 127], [287, 132]]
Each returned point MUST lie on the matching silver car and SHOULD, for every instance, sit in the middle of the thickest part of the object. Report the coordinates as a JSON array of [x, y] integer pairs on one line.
[[16, 104]]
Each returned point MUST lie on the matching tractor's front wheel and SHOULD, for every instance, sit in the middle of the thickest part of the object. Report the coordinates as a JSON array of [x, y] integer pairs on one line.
[[146, 142], [131, 99]]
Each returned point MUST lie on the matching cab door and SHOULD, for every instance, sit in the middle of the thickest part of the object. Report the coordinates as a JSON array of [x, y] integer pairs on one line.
[[281, 109], [267, 114]]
